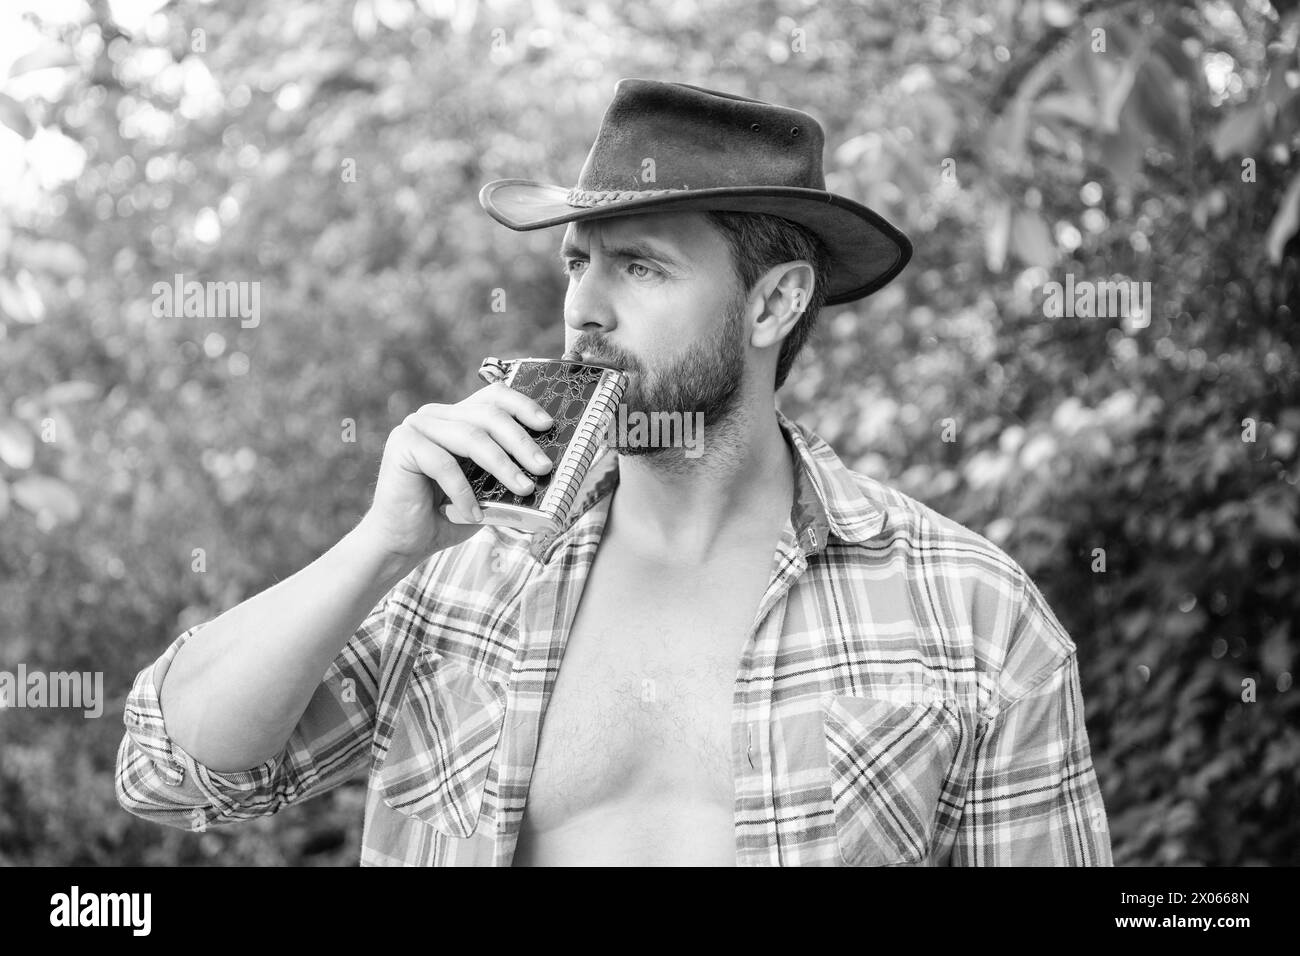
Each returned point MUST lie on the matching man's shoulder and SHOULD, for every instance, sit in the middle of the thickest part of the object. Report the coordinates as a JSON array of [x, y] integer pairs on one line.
[[986, 596], [875, 515], [913, 523]]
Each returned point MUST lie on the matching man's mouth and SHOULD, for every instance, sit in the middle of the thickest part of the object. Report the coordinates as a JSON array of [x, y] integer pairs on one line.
[[599, 358]]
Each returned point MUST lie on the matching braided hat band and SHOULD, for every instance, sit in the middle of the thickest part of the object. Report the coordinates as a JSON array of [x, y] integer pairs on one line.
[[600, 197]]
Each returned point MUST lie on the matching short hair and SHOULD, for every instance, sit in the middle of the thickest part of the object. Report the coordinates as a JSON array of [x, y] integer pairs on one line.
[[758, 242]]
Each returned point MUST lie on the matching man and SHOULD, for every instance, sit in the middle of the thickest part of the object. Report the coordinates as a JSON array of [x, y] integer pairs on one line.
[[752, 656]]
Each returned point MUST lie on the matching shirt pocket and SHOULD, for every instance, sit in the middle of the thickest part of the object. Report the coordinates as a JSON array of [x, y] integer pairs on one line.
[[446, 732], [889, 763]]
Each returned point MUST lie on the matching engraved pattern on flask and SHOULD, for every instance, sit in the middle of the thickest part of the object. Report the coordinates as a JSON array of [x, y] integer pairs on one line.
[[564, 389]]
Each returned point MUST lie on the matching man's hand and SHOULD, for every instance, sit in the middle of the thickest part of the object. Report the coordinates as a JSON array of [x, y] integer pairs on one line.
[[419, 472]]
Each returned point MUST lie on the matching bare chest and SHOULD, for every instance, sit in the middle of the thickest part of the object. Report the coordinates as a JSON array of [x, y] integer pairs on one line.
[[639, 723]]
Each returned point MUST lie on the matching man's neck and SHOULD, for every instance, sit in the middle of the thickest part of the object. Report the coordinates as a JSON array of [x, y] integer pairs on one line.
[[688, 511]]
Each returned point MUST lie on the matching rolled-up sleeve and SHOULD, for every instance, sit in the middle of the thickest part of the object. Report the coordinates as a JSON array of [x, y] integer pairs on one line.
[[1033, 797], [158, 780]]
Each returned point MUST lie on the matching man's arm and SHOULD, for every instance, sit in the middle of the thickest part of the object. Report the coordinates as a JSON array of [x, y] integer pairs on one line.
[[233, 693], [241, 711], [161, 781], [1033, 797]]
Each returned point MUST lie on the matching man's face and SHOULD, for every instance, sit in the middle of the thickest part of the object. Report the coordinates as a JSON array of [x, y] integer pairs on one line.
[[657, 295]]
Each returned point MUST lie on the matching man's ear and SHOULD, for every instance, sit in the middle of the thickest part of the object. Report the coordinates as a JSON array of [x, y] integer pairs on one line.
[[779, 300]]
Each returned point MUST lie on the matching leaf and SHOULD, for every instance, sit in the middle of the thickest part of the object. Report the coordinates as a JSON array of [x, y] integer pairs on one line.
[[74, 391], [20, 299], [996, 234], [1031, 239], [17, 445], [1285, 222], [1058, 14], [13, 115], [1122, 152], [1274, 519], [1125, 39], [1082, 72], [1072, 106], [1275, 652], [1114, 93], [1208, 206], [1276, 89], [46, 496], [1239, 133], [1160, 102], [61, 258], [1170, 49], [46, 57], [1180, 625], [1005, 137], [364, 20], [1183, 27]]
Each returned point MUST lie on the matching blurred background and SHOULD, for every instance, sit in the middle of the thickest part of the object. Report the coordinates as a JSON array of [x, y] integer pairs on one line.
[[1142, 467]]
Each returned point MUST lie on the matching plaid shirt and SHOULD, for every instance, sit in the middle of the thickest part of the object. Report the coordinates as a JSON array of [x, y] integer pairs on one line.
[[906, 697]]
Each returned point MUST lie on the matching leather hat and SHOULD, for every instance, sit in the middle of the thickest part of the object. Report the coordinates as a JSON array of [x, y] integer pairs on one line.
[[670, 146]]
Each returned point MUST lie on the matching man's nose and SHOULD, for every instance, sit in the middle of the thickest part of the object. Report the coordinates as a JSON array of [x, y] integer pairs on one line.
[[587, 307]]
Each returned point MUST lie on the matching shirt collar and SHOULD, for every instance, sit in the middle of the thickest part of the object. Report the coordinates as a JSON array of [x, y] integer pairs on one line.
[[829, 499]]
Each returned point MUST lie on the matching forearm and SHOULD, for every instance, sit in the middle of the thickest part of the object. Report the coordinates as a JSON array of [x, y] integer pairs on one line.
[[238, 687]]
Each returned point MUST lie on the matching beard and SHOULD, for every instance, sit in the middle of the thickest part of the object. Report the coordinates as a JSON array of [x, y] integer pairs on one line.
[[703, 381]]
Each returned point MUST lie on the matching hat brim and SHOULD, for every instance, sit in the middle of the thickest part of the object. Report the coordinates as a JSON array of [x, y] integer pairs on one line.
[[866, 250]]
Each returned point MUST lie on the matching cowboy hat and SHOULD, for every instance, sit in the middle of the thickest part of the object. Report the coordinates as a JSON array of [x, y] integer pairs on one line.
[[673, 147]]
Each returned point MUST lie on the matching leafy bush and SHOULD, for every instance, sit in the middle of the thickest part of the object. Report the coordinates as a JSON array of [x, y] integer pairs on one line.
[[154, 472]]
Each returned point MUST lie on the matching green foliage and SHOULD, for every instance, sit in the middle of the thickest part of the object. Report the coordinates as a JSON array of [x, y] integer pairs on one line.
[[1008, 146]]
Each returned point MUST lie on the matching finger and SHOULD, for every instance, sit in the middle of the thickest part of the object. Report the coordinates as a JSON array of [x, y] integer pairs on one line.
[[519, 405], [438, 464], [509, 434], [472, 442]]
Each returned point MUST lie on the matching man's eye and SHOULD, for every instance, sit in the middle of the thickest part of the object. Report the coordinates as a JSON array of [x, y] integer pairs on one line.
[[646, 272], [572, 264]]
